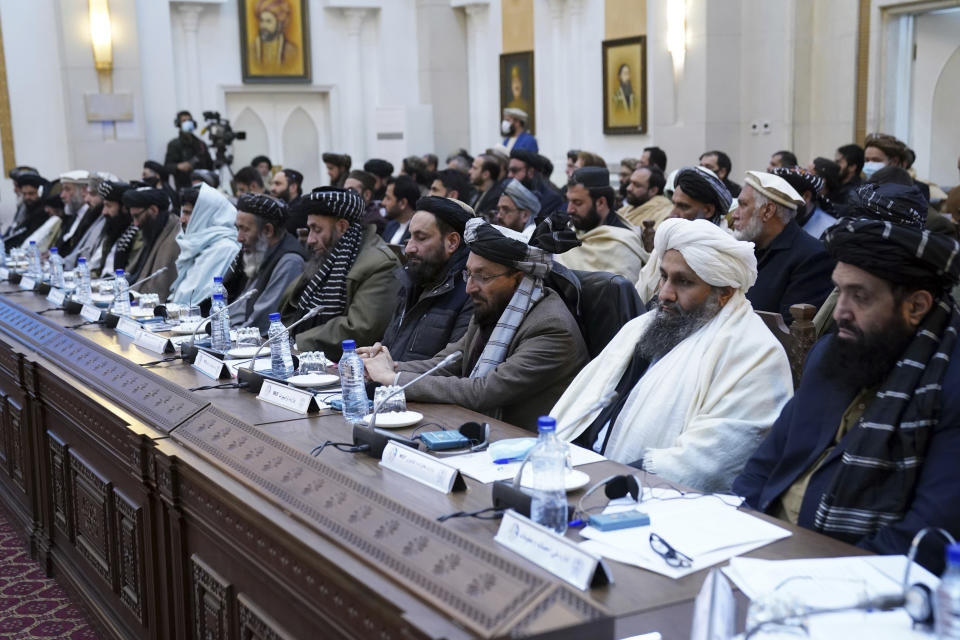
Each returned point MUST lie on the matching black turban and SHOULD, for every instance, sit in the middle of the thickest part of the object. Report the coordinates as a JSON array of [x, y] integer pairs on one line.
[[378, 167], [591, 177], [493, 243], [156, 167], [554, 234], [53, 200], [146, 196], [453, 212], [527, 157], [112, 191], [903, 255], [337, 159], [31, 180], [334, 202], [899, 204], [263, 206], [706, 188]]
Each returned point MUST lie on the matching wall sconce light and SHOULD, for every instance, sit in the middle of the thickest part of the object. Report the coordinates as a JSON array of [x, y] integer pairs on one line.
[[677, 33], [100, 34]]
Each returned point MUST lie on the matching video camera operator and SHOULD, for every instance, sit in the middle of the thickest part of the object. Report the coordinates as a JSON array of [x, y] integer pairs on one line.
[[186, 152]]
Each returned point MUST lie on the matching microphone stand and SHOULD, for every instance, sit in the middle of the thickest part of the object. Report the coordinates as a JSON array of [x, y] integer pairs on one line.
[[371, 440], [189, 352], [149, 277], [249, 378]]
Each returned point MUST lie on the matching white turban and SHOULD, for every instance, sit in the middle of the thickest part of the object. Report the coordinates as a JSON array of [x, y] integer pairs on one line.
[[716, 256]]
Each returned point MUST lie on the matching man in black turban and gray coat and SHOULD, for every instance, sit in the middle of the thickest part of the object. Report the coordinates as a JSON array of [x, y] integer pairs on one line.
[[350, 276], [269, 260], [150, 210], [522, 347]]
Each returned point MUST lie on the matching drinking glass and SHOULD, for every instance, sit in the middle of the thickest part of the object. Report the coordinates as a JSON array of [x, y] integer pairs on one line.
[[396, 403]]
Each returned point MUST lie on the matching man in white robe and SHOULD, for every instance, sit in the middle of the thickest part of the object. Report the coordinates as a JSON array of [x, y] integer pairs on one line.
[[700, 380]]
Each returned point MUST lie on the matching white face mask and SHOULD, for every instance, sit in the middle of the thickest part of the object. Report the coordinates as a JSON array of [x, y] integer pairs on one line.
[[187, 126], [506, 127], [870, 168]]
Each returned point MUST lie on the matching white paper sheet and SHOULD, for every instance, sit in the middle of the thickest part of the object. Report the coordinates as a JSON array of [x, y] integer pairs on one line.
[[479, 465], [707, 528]]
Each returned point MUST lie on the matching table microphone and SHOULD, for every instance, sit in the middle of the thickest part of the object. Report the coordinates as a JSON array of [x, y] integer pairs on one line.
[[509, 495], [376, 439], [111, 319], [249, 378], [188, 352], [149, 277]]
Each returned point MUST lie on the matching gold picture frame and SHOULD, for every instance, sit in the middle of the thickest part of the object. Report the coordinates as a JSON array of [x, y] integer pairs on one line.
[[625, 86], [274, 41]]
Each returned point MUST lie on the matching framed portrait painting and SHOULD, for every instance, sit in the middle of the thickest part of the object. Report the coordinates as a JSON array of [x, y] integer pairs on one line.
[[516, 85], [274, 40], [625, 85]]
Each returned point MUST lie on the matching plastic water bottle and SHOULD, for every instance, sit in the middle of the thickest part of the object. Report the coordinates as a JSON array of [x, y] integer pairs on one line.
[[281, 362], [56, 269], [548, 460], [3, 253], [220, 324], [84, 293], [219, 288], [352, 387], [947, 606], [36, 267], [121, 295]]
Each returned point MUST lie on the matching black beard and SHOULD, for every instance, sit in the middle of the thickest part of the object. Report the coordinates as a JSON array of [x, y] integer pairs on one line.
[[424, 272], [623, 191], [268, 36], [865, 361], [635, 201], [670, 329], [589, 222], [114, 226]]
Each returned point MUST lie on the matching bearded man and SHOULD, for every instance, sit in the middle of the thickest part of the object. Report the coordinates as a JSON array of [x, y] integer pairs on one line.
[[269, 260], [699, 380], [271, 50], [433, 308], [122, 239], [350, 275], [522, 346]]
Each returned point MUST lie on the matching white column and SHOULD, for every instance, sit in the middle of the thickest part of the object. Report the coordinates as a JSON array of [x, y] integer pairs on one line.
[[575, 68], [189, 19], [560, 140], [353, 112], [482, 122]]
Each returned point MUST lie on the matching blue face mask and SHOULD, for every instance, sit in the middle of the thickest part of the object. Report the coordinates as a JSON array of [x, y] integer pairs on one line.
[[870, 168], [187, 126]]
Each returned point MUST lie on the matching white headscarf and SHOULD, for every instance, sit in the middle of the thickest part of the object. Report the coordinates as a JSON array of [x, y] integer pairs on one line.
[[716, 256]]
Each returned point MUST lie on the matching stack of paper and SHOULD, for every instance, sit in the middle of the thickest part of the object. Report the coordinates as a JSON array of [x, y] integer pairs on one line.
[[832, 583], [706, 528], [480, 466]]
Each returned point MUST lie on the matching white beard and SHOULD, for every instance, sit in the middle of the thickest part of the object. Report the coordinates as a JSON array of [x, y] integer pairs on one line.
[[753, 229], [253, 259]]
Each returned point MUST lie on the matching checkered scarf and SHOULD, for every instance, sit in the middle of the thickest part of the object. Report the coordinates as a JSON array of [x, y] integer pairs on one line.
[[884, 453], [495, 243], [328, 286], [122, 247]]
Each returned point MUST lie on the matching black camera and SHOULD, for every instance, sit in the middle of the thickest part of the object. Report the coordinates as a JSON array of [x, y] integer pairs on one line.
[[222, 136]]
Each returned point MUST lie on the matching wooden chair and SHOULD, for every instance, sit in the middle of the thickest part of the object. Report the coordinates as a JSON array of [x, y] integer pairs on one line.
[[797, 339]]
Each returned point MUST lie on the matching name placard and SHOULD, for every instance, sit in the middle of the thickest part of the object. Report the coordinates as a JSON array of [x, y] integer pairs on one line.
[[28, 283], [4, 273], [422, 467], [129, 327], [153, 343], [287, 397], [90, 313], [57, 297], [553, 552], [210, 366]]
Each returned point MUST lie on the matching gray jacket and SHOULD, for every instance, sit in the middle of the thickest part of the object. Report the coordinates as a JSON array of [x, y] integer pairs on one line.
[[546, 353]]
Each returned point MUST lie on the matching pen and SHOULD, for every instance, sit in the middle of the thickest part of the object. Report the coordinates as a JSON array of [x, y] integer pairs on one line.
[[509, 460]]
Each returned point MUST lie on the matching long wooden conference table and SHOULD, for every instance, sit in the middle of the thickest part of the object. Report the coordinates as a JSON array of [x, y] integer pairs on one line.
[[200, 514]]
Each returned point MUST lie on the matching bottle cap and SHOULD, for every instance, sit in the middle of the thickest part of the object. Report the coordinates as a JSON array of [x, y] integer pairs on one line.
[[119, 272], [218, 296], [33, 242], [53, 251], [82, 260], [953, 554], [349, 345], [218, 279], [274, 317], [546, 424]]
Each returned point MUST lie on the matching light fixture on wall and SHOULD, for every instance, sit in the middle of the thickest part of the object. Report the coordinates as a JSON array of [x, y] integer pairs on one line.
[[100, 34], [677, 33]]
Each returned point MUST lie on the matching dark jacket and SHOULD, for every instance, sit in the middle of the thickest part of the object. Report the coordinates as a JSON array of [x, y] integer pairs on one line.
[[371, 286], [391, 228], [64, 247], [794, 269], [808, 425], [546, 352], [841, 196], [186, 148], [424, 322], [236, 281], [33, 220], [485, 204], [296, 217], [161, 251]]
